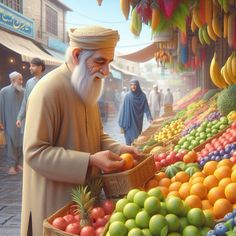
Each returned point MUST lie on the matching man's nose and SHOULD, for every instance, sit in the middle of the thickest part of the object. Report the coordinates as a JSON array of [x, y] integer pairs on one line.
[[105, 70]]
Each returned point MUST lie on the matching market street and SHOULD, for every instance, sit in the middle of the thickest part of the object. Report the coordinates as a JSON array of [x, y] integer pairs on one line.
[[10, 188]]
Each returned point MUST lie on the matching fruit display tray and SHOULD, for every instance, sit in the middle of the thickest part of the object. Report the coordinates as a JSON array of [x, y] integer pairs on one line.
[[49, 229], [118, 184]]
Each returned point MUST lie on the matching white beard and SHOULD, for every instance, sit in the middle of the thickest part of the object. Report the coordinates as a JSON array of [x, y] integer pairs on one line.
[[18, 87], [89, 87]]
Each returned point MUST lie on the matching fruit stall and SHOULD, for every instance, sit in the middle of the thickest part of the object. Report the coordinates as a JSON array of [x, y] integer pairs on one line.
[[185, 182]]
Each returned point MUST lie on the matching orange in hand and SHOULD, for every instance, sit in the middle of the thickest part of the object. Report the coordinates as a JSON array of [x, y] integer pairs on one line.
[[128, 161]]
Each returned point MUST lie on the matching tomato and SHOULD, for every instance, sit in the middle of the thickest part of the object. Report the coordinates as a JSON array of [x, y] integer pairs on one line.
[[77, 217], [179, 156], [233, 126], [69, 218], [59, 223], [163, 162], [87, 231], [73, 228], [158, 165], [97, 212], [100, 222], [99, 231], [162, 156], [108, 207], [107, 217]]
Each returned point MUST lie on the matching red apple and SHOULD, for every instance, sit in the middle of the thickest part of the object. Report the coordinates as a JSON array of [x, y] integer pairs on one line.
[[73, 228], [69, 218], [158, 165]]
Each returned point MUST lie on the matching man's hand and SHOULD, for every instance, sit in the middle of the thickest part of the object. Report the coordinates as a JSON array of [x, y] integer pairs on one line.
[[18, 123], [130, 149], [106, 161]]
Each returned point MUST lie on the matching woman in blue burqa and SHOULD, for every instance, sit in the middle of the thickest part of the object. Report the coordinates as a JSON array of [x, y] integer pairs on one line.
[[131, 115]]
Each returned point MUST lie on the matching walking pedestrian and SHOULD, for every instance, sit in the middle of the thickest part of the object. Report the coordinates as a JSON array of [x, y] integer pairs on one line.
[[10, 101], [37, 67], [154, 101], [131, 115], [64, 141], [168, 102]]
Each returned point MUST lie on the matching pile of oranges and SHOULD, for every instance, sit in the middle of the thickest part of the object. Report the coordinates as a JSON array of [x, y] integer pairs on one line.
[[213, 189]]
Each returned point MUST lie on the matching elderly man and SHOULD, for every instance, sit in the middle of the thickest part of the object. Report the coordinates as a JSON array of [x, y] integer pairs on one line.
[[64, 142], [37, 67], [10, 101]]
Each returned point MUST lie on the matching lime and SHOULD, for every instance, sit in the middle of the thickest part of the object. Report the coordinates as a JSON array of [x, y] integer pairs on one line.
[[174, 234], [173, 222], [130, 224], [117, 216], [196, 217], [157, 223], [183, 223], [152, 205], [136, 232], [191, 230], [131, 193], [204, 231], [156, 192], [209, 219], [175, 206], [117, 229], [146, 232], [163, 210], [120, 204], [142, 219], [131, 210], [140, 197]]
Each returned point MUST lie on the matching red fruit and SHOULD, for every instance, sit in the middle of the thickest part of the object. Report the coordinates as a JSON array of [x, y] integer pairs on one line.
[[77, 217], [233, 159], [179, 156], [101, 222], [162, 156], [107, 217], [233, 126], [60, 223], [108, 207], [73, 228], [158, 165], [97, 212], [204, 152], [87, 231], [163, 162], [98, 231], [69, 218]]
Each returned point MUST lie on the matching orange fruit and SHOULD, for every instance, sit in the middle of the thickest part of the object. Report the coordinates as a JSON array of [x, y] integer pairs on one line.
[[234, 167], [128, 161], [198, 174], [165, 182], [164, 190], [198, 189], [210, 181], [206, 205], [197, 180], [233, 176], [222, 207], [152, 183], [184, 190], [173, 193], [225, 162], [193, 201], [173, 179], [189, 158], [175, 186], [224, 182], [182, 177], [222, 172], [215, 194], [230, 192], [160, 175], [210, 167]]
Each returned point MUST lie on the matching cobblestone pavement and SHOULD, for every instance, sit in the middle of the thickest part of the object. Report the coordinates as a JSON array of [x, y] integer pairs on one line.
[[10, 187]]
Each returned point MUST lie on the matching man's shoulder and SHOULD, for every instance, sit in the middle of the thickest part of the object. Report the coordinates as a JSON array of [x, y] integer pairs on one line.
[[6, 88]]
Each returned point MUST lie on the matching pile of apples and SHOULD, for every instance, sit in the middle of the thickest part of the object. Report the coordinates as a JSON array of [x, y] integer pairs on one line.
[[100, 215]]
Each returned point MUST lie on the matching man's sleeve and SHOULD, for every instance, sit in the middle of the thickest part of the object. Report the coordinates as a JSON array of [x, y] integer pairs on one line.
[[22, 111], [40, 150]]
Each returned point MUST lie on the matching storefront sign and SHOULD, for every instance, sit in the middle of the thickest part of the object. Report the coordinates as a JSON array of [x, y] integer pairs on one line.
[[57, 45], [16, 22]]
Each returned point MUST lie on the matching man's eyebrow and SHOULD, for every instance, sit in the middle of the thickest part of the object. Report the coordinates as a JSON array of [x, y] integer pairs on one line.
[[103, 59]]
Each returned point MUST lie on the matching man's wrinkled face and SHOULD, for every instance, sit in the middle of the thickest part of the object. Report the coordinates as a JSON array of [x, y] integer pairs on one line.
[[133, 87], [88, 74], [18, 83]]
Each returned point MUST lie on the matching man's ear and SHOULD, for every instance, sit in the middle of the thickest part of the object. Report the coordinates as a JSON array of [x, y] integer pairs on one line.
[[75, 55]]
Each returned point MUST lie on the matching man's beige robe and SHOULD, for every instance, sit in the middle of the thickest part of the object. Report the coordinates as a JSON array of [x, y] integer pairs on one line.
[[60, 134]]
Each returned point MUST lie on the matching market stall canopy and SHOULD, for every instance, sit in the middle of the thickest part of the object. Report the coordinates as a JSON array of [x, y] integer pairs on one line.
[[142, 55], [26, 48]]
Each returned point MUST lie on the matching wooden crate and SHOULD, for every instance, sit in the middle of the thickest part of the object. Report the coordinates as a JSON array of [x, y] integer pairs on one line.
[[119, 184], [49, 229]]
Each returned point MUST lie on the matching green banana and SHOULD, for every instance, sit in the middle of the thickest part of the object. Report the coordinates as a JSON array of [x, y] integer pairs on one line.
[[200, 36], [206, 36]]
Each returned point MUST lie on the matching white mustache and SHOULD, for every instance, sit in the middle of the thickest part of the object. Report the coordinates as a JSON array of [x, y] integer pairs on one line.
[[98, 75]]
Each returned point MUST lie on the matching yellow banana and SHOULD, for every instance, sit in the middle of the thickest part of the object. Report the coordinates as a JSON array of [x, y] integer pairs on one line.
[[205, 35], [196, 18], [193, 25], [233, 65], [215, 74], [225, 34], [136, 24], [211, 33], [125, 8], [225, 75], [216, 26], [229, 69]]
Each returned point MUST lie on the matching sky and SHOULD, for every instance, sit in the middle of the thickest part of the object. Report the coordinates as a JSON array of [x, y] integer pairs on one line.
[[109, 14]]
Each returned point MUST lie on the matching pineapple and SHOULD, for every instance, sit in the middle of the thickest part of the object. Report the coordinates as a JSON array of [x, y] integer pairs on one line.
[[85, 202], [95, 186]]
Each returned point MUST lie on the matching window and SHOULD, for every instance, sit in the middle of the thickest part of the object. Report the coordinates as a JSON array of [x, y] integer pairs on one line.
[[51, 20], [17, 5]]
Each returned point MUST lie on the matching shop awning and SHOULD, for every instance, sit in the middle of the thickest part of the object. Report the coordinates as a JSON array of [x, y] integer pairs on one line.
[[26, 48], [54, 53], [142, 55]]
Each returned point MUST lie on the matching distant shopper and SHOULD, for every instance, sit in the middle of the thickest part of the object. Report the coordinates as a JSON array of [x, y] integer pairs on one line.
[[168, 102], [154, 101], [10, 101], [162, 97], [37, 67], [131, 115]]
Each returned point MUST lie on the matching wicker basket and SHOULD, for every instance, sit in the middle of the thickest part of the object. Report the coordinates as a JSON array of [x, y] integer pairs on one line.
[[49, 229], [119, 184]]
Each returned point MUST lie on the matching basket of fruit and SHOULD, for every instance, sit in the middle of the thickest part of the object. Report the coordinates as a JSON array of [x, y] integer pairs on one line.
[[132, 176]]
